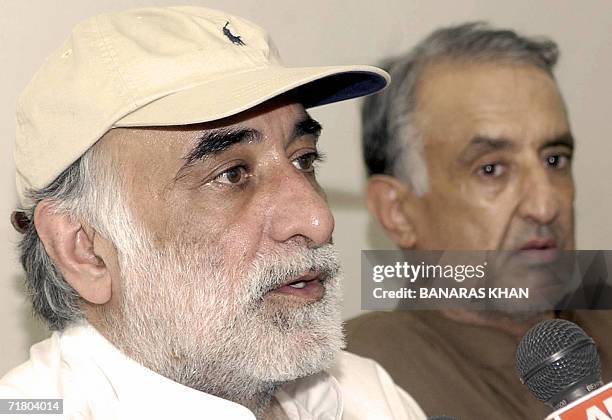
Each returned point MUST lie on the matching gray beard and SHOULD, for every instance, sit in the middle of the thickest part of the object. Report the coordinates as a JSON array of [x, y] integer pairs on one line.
[[209, 327]]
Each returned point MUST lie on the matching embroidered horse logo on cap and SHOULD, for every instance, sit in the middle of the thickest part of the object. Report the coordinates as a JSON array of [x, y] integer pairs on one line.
[[235, 39]]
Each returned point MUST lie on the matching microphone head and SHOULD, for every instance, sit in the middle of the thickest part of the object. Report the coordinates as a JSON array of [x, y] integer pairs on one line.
[[441, 418], [558, 362]]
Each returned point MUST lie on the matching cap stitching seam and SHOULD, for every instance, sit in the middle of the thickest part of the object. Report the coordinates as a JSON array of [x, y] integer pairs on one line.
[[114, 66]]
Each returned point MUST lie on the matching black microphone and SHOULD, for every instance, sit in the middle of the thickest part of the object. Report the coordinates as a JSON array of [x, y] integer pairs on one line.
[[442, 418], [558, 362]]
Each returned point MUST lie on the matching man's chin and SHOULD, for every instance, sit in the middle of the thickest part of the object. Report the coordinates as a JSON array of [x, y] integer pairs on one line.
[[305, 355], [302, 337]]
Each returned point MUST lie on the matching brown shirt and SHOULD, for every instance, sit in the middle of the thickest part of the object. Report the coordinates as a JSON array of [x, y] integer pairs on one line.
[[458, 369]]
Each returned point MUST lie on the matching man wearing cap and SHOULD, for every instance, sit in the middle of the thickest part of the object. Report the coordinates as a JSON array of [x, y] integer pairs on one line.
[[175, 237]]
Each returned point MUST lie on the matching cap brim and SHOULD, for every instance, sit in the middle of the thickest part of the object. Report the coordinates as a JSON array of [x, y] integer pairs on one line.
[[238, 92]]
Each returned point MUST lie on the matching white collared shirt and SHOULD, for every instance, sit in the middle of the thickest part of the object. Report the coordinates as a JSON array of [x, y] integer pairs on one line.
[[97, 381]]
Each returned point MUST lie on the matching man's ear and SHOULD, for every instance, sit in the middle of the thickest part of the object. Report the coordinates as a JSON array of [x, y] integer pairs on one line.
[[71, 247], [392, 202]]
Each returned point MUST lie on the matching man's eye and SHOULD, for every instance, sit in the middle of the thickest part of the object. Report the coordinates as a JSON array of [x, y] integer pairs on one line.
[[492, 170], [306, 162], [557, 161], [232, 176]]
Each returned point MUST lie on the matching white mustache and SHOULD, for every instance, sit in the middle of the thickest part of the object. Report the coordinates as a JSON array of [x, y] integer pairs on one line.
[[271, 271]]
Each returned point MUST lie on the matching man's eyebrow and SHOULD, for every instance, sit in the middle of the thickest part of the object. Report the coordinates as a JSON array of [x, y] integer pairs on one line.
[[306, 127], [217, 140], [564, 140], [481, 145]]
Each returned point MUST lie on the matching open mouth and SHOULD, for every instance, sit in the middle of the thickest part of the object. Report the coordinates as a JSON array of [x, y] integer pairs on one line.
[[539, 244], [540, 250], [308, 286]]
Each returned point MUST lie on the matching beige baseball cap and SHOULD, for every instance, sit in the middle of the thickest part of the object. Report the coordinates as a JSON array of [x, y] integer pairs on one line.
[[158, 67]]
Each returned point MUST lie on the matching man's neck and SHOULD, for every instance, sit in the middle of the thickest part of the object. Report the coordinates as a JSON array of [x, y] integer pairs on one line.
[[511, 324], [274, 411], [257, 396], [263, 404]]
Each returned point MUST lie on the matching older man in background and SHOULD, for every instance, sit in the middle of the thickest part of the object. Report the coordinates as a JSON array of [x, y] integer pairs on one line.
[[175, 236], [469, 149]]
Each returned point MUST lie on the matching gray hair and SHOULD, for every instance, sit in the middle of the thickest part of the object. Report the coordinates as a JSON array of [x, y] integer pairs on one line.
[[85, 191], [391, 141]]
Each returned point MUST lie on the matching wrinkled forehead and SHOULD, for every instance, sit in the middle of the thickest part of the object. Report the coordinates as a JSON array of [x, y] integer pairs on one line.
[[517, 101], [461, 86], [156, 150], [151, 152]]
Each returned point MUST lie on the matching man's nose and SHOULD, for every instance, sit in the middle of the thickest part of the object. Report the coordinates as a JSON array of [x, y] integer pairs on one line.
[[540, 197], [300, 210]]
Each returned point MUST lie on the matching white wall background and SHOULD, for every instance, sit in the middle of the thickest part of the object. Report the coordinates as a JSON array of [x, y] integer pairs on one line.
[[319, 32]]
